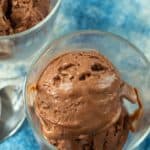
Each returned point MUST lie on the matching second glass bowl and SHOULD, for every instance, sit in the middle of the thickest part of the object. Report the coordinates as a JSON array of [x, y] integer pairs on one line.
[[131, 63]]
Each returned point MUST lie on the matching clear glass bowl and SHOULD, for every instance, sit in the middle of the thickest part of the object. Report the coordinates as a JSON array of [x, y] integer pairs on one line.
[[132, 64], [17, 50], [16, 53]]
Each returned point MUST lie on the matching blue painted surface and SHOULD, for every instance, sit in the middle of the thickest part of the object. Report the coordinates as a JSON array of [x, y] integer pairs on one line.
[[128, 18]]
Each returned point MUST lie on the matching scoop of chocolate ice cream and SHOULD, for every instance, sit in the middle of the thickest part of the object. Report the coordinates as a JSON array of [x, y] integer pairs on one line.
[[5, 26], [81, 93], [27, 13], [20, 15]]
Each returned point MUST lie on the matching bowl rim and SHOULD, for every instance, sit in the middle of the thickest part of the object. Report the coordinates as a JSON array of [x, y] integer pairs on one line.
[[55, 42], [87, 32], [35, 27]]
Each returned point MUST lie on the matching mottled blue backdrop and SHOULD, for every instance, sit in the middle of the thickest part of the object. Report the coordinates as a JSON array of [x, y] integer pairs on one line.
[[128, 18]]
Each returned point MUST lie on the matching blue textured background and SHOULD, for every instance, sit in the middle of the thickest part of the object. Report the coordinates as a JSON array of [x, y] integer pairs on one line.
[[128, 18]]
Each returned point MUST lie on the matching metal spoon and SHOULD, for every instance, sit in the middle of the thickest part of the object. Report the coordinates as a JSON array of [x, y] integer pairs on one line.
[[12, 109]]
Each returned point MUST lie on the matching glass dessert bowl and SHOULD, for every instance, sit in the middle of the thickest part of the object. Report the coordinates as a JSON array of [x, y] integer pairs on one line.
[[16, 52], [130, 62]]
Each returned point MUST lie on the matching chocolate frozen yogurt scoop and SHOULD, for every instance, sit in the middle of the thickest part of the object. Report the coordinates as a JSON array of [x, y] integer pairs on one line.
[[27, 13], [5, 25], [80, 94], [20, 15]]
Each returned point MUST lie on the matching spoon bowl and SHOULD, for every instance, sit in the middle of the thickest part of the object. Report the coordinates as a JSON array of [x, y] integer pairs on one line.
[[12, 119]]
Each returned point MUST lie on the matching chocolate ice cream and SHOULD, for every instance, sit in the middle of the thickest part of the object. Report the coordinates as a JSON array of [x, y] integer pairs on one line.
[[20, 15], [111, 139], [80, 103], [5, 25]]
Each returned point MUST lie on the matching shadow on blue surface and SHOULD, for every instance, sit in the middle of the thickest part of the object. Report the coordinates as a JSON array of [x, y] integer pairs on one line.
[[22, 140]]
